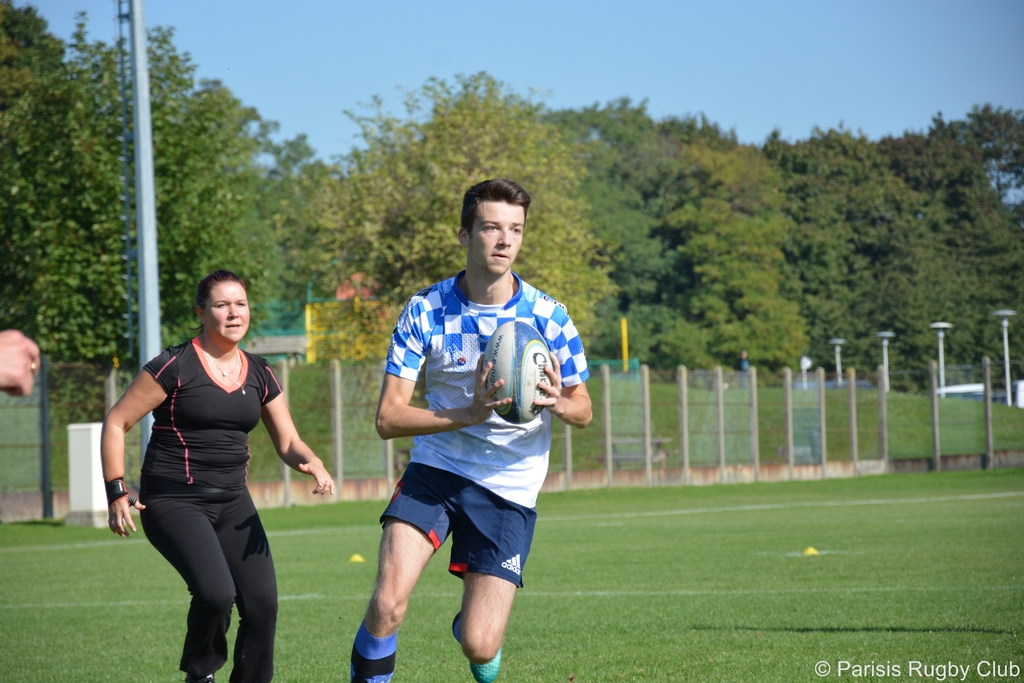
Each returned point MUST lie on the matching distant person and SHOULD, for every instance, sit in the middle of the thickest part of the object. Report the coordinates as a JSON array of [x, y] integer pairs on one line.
[[743, 366], [471, 474], [19, 363], [206, 395]]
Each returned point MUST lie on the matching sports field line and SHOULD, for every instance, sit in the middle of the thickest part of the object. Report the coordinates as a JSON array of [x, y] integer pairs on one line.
[[778, 506], [573, 518], [366, 528], [526, 594]]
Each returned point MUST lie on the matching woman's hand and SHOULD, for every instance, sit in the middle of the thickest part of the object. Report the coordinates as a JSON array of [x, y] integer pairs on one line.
[[315, 468], [291, 449], [120, 512]]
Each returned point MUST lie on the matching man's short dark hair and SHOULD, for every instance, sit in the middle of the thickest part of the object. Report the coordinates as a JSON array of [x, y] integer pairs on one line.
[[494, 190]]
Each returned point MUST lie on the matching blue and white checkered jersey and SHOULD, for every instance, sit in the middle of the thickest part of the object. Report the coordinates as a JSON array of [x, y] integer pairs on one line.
[[442, 328]]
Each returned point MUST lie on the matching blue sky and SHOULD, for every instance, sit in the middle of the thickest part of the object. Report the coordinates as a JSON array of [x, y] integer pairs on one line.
[[878, 67]]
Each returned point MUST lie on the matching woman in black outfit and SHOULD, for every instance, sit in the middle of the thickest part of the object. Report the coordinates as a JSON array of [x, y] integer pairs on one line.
[[206, 395]]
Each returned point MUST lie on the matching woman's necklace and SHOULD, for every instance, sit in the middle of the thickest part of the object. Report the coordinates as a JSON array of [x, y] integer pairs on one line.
[[224, 373]]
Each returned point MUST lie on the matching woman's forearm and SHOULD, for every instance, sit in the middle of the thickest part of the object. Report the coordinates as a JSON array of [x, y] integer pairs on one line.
[[112, 450]]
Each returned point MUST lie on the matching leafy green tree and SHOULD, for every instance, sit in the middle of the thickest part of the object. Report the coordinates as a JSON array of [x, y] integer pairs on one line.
[[728, 229], [972, 251], [852, 252], [999, 135], [392, 214], [693, 225], [37, 146], [622, 157], [61, 206], [285, 203], [894, 235]]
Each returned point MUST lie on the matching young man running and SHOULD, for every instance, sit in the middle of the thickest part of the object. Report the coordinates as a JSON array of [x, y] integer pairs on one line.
[[471, 474]]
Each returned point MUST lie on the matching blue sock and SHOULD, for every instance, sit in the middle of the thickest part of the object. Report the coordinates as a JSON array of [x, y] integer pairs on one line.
[[373, 659]]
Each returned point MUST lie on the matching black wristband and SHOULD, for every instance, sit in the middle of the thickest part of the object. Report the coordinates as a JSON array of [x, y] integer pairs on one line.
[[115, 490]]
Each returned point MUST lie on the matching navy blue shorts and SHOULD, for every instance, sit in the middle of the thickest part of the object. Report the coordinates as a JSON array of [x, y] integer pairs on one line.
[[491, 535]]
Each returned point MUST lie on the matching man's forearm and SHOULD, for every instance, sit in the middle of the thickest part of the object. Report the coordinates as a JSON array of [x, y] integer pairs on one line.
[[574, 410], [404, 420]]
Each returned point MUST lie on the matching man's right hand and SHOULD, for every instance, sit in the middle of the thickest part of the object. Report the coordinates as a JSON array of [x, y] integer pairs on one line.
[[19, 363], [483, 402]]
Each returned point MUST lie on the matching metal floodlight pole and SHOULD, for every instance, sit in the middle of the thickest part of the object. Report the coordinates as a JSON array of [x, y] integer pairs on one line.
[[145, 203], [941, 329], [885, 337], [1005, 315], [838, 344]]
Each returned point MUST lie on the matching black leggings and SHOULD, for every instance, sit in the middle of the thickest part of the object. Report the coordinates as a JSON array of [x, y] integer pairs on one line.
[[218, 545]]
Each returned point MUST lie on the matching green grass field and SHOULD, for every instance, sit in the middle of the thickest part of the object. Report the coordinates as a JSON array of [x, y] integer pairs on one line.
[[665, 584]]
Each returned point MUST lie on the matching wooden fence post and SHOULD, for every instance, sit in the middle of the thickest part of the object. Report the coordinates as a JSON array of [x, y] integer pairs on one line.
[[337, 426], [567, 454], [45, 481], [787, 406], [986, 366], [110, 387], [851, 381], [933, 374], [606, 414], [682, 384], [283, 372], [822, 424], [645, 406], [389, 462], [883, 420], [755, 435], [720, 421]]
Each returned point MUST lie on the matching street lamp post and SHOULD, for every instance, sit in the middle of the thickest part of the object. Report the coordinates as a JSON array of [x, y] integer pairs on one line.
[[885, 337], [1005, 314], [805, 365], [838, 343], [941, 329]]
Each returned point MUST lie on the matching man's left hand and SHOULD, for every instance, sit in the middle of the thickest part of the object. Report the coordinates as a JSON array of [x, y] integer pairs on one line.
[[553, 387]]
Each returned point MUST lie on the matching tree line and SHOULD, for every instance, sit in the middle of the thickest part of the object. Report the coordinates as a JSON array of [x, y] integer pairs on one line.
[[706, 245]]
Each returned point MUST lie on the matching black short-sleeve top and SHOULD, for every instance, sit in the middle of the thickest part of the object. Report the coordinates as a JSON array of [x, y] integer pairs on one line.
[[201, 430]]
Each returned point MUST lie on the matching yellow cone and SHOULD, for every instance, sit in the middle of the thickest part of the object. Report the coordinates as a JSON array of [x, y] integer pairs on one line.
[[809, 551], [359, 558]]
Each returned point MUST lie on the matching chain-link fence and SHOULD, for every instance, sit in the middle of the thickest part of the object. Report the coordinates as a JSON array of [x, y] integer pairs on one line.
[[771, 418], [1007, 427], [867, 415], [20, 441], [806, 421], [719, 410], [311, 403], [961, 413], [76, 393], [908, 406], [725, 422]]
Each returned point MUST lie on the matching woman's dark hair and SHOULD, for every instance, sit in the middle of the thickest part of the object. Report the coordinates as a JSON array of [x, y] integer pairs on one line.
[[215, 278], [496, 190]]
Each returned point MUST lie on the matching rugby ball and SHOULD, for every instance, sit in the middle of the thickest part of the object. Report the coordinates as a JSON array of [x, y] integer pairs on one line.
[[519, 355]]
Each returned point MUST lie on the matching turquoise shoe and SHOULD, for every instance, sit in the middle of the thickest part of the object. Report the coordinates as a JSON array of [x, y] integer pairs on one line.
[[485, 673]]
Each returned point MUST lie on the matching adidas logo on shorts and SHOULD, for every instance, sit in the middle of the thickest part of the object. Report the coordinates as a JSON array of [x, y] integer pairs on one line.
[[512, 564]]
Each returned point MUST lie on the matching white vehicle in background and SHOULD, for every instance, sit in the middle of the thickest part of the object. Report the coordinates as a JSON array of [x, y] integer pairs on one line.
[[976, 392]]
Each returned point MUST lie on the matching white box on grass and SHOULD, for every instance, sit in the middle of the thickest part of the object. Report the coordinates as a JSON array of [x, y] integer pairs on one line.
[[87, 496]]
